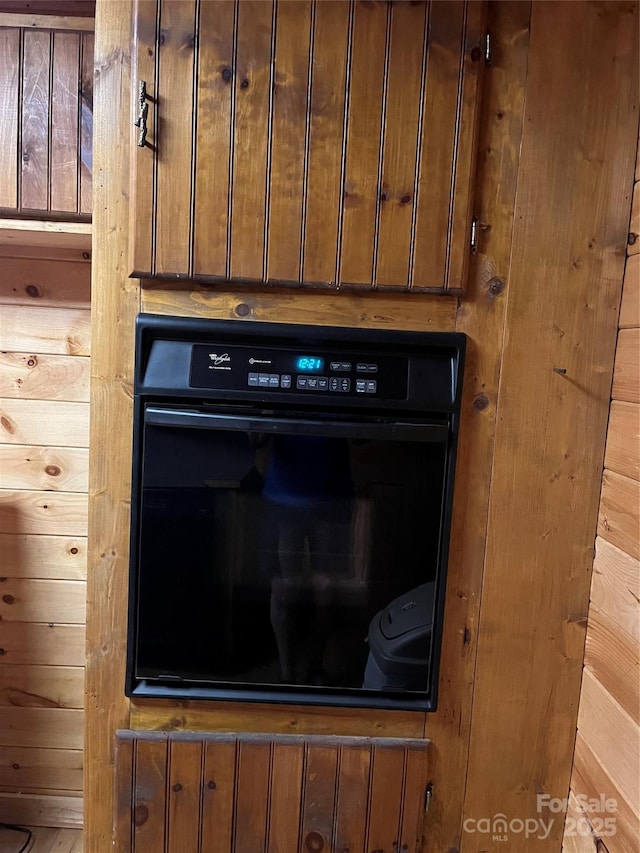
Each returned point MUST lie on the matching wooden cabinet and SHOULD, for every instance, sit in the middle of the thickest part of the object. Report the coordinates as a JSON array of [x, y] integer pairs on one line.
[[46, 121], [325, 143], [220, 792]]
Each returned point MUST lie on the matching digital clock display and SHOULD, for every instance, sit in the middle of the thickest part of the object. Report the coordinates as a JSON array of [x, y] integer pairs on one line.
[[309, 363]]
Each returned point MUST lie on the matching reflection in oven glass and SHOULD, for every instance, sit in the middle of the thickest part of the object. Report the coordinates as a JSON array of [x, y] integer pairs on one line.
[[288, 559]]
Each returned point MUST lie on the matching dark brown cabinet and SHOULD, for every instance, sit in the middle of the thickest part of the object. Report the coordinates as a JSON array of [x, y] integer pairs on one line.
[[328, 144]]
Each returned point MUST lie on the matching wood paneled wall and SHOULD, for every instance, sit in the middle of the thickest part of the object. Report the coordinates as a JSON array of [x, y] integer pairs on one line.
[[44, 432], [556, 155], [46, 121], [608, 740]]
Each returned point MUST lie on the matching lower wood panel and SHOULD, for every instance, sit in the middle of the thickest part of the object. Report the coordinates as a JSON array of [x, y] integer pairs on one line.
[[26, 600], [54, 513], [62, 331], [356, 794], [44, 468], [29, 376], [48, 422], [30, 278], [42, 643], [40, 810], [41, 686], [37, 767], [26, 556], [54, 728]]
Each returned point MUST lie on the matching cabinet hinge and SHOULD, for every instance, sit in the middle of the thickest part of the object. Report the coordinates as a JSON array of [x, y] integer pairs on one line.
[[428, 794], [488, 49], [473, 236]]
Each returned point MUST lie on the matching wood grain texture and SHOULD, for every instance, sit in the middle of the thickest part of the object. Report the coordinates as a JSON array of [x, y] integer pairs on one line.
[[402, 116], [578, 835], [44, 468], [634, 225], [26, 376], [143, 159], [56, 513], [213, 138], [40, 600], [611, 655], [44, 234], [288, 137], [590, 779], [324, 197], [251, 140], [42, 687], [630, 307], [626, 376], [623, 439], [34, 151], [64, 331], [52, 557], [115, 302], [361, 191], [21, 422], [482, 318], [551, 428], [39, 282], [166, 715], [45, 644], [41, 810], [45, 839], [174, 136], [59, 728], [9, 98], [619, 514], [65, 152], [85, 165], [240, 780], [35, 767], [615, 587], [612, 736]]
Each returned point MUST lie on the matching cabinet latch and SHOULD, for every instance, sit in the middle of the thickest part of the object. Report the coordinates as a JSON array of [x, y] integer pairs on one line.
[[428, 794], [473, 236]]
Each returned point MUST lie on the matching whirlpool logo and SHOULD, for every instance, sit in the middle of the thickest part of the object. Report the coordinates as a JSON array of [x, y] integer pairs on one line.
[[219, 359]]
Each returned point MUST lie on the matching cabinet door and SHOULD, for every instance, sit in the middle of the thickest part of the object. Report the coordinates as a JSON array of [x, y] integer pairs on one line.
[[306, 142], [204, 793]]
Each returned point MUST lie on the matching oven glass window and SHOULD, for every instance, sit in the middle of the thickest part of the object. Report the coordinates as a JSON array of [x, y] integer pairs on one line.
[[272, 558]]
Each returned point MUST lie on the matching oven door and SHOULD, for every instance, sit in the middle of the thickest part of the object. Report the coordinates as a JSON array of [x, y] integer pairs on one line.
[[274, 557]]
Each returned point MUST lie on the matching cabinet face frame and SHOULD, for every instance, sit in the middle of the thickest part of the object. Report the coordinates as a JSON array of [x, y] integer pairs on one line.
[[266, 159]]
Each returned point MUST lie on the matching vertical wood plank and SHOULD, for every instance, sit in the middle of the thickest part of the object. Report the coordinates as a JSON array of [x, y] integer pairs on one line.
[[35, 120], [324, 198], [401, 135], [363, 142], [143, 159], [288, 139], [464, 154], [413, 800], [9, 101], [251, 139], [64, 122], [149, 795], [185, 766], [385, 797], [218, 780], [174, 136], [286, 794], [547, 432], [437, 143], [252, 797], [319, 797], [353, 795], [124, 769], [213, 138], [86, 125]]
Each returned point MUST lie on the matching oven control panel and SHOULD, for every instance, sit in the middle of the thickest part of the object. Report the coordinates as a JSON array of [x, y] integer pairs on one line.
[[372, 375]]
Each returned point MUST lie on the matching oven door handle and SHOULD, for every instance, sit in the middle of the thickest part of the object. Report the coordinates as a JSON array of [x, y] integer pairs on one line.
[[397, 430]]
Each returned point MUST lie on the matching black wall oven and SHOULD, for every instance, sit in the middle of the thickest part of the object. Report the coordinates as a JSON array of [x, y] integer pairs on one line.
[[291, 502]]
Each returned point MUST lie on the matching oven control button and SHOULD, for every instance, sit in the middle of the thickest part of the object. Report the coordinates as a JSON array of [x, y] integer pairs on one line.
[[285, 380], [334, 383], [263, 380], [361, 386], [274, 380], [361, 367], [312, 383], [252, 382], [345, 366], [301, 383], [372, 386], [323, 383], [341, 366], [335, 366], [345, 384]]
